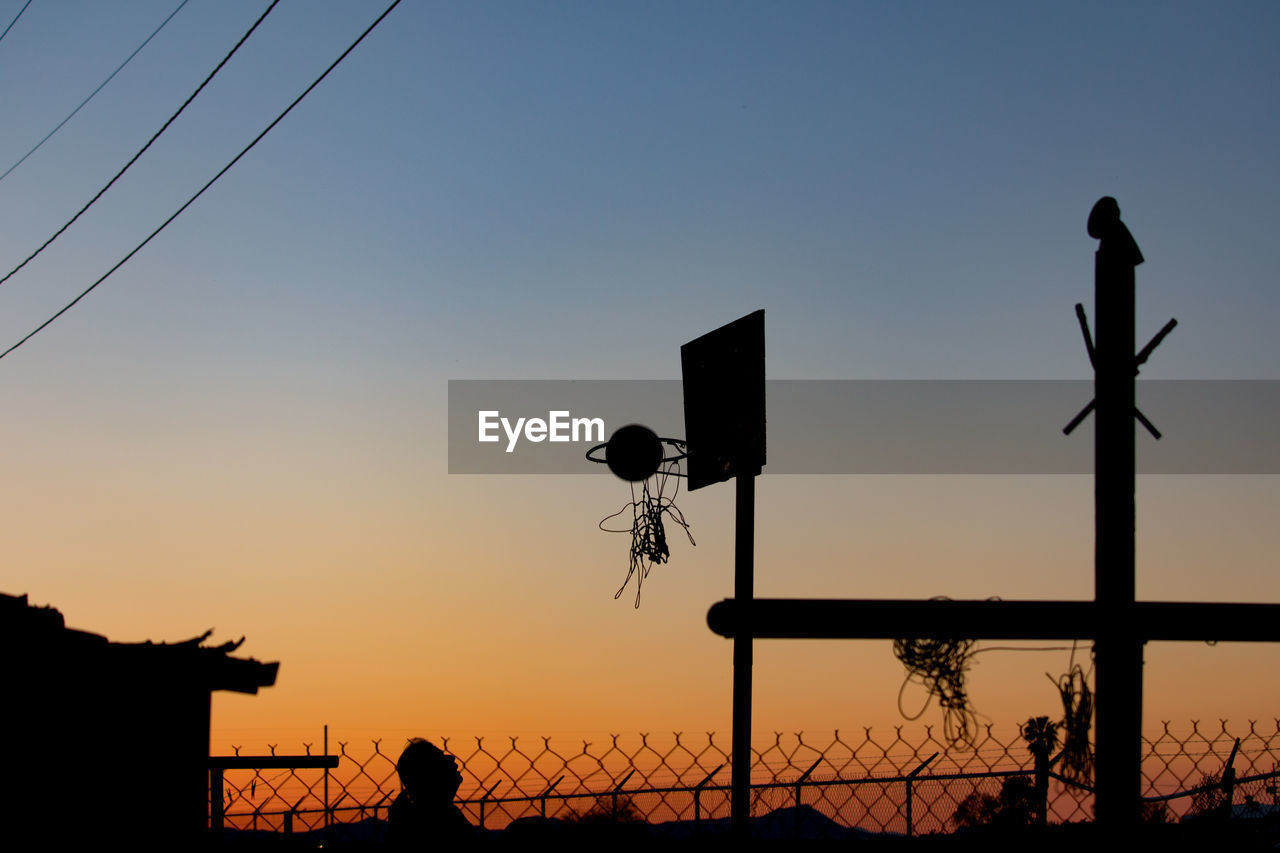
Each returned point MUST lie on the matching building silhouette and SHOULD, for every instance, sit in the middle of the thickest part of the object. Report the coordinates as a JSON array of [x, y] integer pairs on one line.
[[104, 739]]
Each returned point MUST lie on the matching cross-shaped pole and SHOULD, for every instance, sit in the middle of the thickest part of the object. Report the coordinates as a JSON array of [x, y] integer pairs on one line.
[[1117, 623], [1118, 647]]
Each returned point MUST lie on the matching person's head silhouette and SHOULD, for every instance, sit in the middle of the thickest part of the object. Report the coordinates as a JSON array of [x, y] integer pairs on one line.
[[428, 773]]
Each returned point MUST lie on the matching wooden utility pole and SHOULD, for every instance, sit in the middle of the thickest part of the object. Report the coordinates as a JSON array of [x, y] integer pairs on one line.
[[1118, 649]]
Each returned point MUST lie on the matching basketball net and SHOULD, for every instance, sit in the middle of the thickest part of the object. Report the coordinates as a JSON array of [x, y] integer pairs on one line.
[[648, 528]]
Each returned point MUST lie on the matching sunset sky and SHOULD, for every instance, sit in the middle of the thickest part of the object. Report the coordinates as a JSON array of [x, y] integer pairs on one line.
[[245, 427]]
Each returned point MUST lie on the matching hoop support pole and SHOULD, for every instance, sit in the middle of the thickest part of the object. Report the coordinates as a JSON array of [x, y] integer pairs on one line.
[[743, 590]]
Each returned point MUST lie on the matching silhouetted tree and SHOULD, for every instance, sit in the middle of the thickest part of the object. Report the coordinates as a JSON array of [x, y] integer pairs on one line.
[[604, 810], [1156, 813], [1211, 799], [1015, 807], [1041, 736]]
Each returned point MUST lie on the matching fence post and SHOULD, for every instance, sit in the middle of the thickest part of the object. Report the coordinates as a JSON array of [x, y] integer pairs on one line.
[[377, 806], [328, 813], [1229, 781], [288, 816], [547, 793], [617, 789], [697, 797], [910, 780], [795, 816], [332, 809], [910, 817], [1042, 763], [485, 798], [216, 801], [803, 776]]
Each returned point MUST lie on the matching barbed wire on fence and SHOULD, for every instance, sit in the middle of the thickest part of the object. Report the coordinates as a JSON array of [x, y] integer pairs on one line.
[[907, 782]]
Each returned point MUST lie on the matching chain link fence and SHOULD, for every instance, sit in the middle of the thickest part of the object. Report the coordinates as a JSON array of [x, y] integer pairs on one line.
[[904, 783]]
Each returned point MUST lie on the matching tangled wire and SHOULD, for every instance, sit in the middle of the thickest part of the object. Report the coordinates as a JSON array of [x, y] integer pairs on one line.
[[940, 666], [648, 532], [1077, 716]]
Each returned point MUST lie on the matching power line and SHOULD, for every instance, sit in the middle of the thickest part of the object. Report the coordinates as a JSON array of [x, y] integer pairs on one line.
[[210, 183], [144, 148], [15, 20], [110, 77]]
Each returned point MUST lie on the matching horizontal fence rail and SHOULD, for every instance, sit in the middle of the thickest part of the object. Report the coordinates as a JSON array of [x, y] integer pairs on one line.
[[902, 784]]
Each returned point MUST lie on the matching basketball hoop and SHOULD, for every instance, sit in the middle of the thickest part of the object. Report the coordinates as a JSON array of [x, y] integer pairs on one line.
[[636, 454]]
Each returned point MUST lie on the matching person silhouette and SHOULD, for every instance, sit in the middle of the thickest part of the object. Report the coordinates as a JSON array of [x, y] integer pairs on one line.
[[423, 816]]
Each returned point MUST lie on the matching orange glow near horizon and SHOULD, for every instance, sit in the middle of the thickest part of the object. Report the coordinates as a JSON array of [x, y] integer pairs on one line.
[[492, 613], [548, 656]]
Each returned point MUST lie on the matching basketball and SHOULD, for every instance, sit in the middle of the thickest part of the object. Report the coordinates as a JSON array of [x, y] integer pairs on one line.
[[634, 453]]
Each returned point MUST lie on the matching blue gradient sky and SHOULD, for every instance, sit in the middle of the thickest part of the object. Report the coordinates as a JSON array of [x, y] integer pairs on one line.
[[245, 426]]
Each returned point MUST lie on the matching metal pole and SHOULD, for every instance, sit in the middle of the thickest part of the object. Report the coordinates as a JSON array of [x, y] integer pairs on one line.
[[547, 793], [328, 815], [743, 593], [617, 790], [1229, 782], [697, 797], [911, 778], [910, 821], [1118, 649], [804, 777], [1041, 755], [216, 804], [484, 799]]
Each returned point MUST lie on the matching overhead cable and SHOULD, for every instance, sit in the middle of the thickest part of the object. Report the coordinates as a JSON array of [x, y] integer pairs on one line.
[[101, 85], [143, 149], [210, 183], [15, 20]]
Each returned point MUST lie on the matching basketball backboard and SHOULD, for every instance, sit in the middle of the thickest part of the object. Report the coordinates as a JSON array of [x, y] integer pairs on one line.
[[724, 418]]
